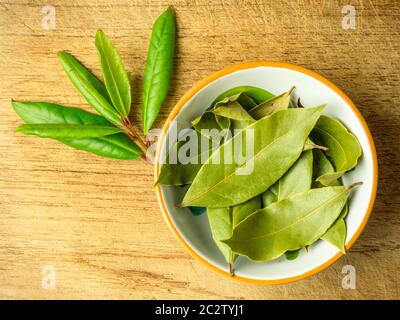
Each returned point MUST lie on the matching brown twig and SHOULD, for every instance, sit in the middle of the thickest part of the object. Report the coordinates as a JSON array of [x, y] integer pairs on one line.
[[136, 138]]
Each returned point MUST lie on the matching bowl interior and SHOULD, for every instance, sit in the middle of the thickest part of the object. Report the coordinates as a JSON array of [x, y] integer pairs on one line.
[[195, 229]]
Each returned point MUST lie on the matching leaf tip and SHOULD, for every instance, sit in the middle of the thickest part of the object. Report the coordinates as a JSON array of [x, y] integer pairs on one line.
[[99, 32], [64, 55], [20, 128], [100, 36], [299, 104], [15, 105]]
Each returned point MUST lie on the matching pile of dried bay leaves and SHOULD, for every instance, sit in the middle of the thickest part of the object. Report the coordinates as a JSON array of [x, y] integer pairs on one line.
[[291, 197]]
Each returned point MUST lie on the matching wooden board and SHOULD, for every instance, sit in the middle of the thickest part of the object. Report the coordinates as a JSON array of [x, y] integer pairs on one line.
[[96, 221]]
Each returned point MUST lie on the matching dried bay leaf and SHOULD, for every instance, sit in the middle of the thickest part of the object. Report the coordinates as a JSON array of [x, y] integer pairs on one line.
[[336, 234], [233, 108], [175, 173], [298, 179], [220, 220], [309, 145], [343, 147], [181, 174], [246, 101], [289, 224], [223, 220], [206, 121], [263, 109], [321, 166], [258, 95], [233, 111], [268, 107], [240, 98], [224, 123], [243, 210], [278, 142]]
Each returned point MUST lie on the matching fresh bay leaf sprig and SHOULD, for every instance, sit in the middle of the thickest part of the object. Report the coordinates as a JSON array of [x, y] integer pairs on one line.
[[111, 133], [117, 146]]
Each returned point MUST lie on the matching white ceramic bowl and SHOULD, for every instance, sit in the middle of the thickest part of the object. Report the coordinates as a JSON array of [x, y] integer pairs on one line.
[[194, 232]]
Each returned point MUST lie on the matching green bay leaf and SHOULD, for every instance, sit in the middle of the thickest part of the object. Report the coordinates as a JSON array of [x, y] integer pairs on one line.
[[72, 131], [158, 70], [51, 113], [117, 146], [69, 62], [90, 87], [114, 74]]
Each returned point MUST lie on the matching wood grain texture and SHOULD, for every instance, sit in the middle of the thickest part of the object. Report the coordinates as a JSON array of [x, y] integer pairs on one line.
[[97, 220]]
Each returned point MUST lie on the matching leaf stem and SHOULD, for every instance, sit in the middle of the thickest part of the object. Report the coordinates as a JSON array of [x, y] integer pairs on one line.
[[231, 271], [354, 185], [136, 138], [317, 146], [230, 264]]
